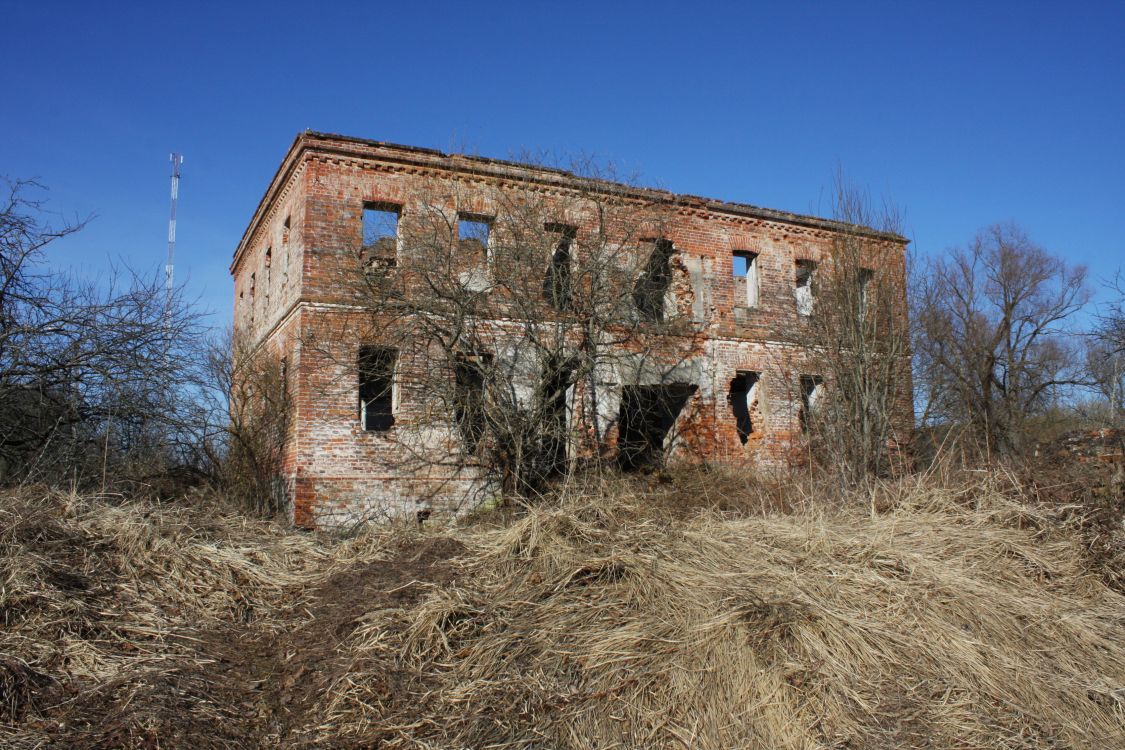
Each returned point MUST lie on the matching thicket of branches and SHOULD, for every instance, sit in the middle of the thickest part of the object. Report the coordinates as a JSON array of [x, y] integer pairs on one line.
[[1105, 354], [859, 340], [114, 379], [95, 375], [118, 383], [511, 342], [242, 422]]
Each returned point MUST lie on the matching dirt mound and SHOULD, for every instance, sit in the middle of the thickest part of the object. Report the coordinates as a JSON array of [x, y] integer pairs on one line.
[[141, 625], [278, 675]]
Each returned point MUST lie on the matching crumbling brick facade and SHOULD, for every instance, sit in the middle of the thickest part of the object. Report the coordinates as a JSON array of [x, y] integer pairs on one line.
[[735, 277]]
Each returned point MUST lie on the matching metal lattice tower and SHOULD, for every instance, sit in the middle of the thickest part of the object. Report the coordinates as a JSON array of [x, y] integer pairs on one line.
[[177, 160]]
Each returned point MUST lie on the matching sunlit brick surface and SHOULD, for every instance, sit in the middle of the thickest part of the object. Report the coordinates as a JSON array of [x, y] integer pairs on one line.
[[338, 474]]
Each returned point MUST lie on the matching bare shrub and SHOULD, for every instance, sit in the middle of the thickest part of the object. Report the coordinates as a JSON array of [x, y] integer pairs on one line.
[[250, 418], [858, 341], [94, 375]]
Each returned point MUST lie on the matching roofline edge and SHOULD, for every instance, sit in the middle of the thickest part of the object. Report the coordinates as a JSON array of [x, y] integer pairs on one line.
[[332, 142]]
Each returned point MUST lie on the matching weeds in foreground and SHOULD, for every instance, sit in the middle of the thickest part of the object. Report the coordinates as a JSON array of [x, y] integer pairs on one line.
[[691, 609]]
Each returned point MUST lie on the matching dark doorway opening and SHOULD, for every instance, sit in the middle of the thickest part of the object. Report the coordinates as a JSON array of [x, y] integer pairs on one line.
[[558, 377], [648, 413], [471, 376]]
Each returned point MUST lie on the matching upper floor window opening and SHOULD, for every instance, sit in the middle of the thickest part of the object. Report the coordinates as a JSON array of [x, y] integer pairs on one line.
[[651, 290], [805, 279], [557, 283], [253, 296], [285, 232], [863, 281], [746, 286], [473, 235], [380, 236]]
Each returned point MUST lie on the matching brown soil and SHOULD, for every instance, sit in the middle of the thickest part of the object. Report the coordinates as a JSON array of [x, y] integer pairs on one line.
[[250, 684]]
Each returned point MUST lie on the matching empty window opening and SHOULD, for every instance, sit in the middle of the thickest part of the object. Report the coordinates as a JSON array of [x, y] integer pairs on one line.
[[380, 236], [253, 297], [745, 266], [863, 280], [469, 412], [651, 289], [557, 282], [648, 414], [269, 268], [812, 393], [285, 228], [473, 234], [376, 387], [558, 377], [744, 404], [806, 271]]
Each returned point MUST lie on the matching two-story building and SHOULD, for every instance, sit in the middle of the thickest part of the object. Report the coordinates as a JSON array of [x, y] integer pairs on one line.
[[677, 320]]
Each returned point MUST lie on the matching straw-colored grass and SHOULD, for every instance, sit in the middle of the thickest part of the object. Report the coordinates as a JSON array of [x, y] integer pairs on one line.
[[954, 618], [697, 612], [99, 595]]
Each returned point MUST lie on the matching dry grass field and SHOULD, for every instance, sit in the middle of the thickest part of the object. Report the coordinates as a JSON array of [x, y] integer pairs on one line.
[[690, 611]]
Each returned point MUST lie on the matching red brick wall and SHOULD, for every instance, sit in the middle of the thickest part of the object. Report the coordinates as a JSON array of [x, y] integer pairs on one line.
[[338, 472]]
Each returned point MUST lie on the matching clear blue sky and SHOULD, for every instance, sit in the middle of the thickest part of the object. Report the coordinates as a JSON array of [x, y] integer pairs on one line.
[[963, 113]]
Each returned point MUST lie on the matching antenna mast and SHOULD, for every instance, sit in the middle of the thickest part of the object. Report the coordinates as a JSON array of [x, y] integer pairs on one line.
[[177, 160]]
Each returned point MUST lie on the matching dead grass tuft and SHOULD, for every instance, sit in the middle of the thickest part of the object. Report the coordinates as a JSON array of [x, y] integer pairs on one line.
[[102, 602], [692, 609], [913, 616]]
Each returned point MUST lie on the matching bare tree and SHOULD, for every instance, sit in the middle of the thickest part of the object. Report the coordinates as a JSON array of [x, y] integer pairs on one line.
[[1105, 369], [1112, 324], [512, 319], [859, 342], [994, 323], [1105, 353], [92, 374], [242, 420]]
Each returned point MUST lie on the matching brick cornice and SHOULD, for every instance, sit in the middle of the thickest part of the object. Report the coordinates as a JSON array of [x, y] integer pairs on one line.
[[367, 153], [278, 188]]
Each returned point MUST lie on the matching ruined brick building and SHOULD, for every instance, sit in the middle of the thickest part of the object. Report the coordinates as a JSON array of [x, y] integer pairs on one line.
[[672, 323]]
